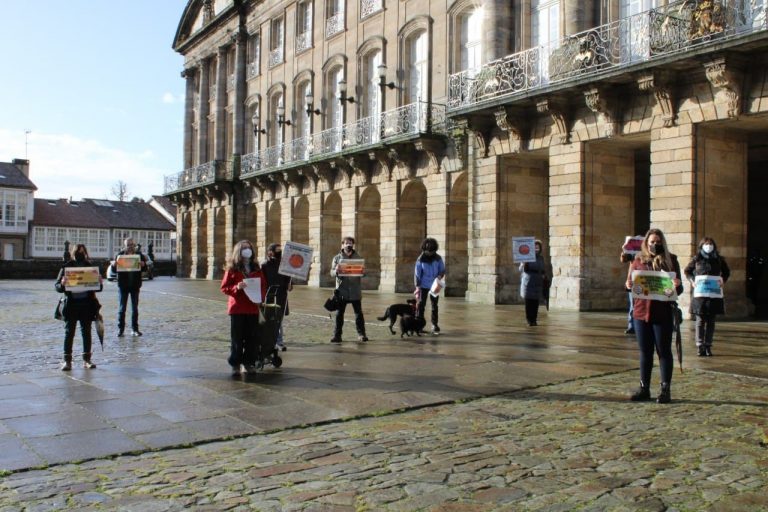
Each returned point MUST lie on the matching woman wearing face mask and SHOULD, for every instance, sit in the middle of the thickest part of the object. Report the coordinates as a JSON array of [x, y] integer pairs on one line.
[[532, 284], [706, 262], [243, 313], [653, 318], [80, 307]]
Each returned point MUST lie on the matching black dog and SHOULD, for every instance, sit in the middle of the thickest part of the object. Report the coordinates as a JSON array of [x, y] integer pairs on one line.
[[396, 310], [411, 324]]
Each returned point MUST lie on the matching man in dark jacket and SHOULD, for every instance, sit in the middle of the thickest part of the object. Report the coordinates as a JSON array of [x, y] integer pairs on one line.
[[129, 285], [270, 267], [349, 289]]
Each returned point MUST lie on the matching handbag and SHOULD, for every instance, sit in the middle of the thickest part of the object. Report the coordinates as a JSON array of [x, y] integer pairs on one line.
[[334, 303], [58, 314]]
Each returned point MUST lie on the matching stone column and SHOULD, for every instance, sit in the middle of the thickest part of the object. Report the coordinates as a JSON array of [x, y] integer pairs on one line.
[[180, 228], [211, 241], [578, 15], [497, 29], [315, 215], [194, 230], [221, 103], [204, 110], [239, 133], [388, 250], [189, 75]]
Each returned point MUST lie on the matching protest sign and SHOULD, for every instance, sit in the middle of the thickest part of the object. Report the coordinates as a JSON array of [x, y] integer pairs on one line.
[[350, 268], [653, 285], [437, 286], [128, 263], [296, 260], [82, 279], [632, 244], [253, 289], [523, 249], [708, 286]]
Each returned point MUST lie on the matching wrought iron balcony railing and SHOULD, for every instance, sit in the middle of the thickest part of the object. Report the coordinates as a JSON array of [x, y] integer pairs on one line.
[[204, 174], [334, 24], [671, 29], [368, 7], [303, 42], [406, 121], [276, 56]]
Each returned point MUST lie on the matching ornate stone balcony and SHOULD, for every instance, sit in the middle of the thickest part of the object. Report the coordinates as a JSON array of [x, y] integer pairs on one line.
[[369, 7], [393, 126], [668, 32], [303, 42], [334, 24], [202, 175]]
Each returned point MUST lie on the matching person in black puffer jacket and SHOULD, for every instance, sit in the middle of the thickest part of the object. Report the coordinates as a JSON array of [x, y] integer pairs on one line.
[[79, 307], [706, 262]]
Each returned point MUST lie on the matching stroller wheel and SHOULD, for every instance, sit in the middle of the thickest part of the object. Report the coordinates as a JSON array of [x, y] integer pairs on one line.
[[277, 361]]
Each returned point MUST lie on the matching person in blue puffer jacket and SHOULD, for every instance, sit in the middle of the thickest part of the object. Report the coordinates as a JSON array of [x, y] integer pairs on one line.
[[429, 266]]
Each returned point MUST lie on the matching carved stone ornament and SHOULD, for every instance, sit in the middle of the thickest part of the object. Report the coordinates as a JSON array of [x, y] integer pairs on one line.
[[557, 111], [381, 157], [433, 149], [309, 174], [726, 76], [601, 103], [659, 85], [514, 125], [326, 174]]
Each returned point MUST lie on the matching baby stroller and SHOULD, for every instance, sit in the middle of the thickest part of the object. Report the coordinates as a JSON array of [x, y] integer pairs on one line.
[[270, 318]]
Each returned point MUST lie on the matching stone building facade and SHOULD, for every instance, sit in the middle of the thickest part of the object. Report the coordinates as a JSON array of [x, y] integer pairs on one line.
[[574, 121]]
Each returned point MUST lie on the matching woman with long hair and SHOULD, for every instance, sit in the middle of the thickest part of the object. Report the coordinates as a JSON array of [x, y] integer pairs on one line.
[[243, 313], [653, 319]]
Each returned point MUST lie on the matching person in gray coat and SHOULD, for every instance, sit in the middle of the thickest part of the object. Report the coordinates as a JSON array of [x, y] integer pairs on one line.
[[532, 284], [349, 289]]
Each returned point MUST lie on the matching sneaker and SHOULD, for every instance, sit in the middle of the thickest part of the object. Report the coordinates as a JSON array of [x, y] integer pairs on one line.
[[702, 351], [280, 345], [88, 365], [435, 329], [136, 332], [250, 369], [121, 333], [708, 351], [629, 331], [336, 339], [362, 338], [66, 366], [236, 371]]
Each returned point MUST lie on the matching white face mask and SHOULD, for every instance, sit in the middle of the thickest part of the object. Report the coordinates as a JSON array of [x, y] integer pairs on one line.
[[246, 253], [708, 248]]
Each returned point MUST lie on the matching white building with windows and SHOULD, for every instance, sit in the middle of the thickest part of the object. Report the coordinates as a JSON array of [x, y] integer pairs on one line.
[[16, 208]]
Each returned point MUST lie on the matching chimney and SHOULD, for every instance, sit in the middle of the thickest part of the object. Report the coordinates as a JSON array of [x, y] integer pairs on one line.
[[22, 165]]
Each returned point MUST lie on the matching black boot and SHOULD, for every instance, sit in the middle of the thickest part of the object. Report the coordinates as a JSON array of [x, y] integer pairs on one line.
[[702, 351], [664, 394], [642, 394]]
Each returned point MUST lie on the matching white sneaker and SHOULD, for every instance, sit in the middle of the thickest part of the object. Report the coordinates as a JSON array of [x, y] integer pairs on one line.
[[236, 371], [66, 366], [250, 369], [280, 345]]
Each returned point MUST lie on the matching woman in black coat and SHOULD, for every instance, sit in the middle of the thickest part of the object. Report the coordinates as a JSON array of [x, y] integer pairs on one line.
[[79, 307], [706, 262]]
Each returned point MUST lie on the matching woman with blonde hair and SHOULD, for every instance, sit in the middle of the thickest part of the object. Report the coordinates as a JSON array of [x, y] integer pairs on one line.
[[243, 313], [653, 319]]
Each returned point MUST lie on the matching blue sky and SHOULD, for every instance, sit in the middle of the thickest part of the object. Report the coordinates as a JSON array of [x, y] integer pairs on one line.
[[98, 85]]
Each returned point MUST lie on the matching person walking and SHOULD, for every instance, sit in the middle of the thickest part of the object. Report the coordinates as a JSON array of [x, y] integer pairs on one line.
[[79, 307], [429, 266], [532, 284], [349, 289], [653, 319], [270, 267], [129, 285], [706, 262], [243, 313]]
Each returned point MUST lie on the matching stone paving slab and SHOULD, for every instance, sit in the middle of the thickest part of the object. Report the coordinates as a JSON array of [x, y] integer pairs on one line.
[[577, 445]]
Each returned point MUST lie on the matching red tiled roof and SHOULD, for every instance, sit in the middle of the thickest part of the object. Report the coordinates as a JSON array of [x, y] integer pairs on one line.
[[99, 213]]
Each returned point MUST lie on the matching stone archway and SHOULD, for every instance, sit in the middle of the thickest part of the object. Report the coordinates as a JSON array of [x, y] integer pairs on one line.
[[411, 230], [330, 236], [300, 221], [185, 256], [220, 248], [201, 267], [273, 231], [457, 239], [369, 236]]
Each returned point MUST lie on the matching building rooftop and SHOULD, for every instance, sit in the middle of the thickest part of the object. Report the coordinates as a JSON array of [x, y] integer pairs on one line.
[[99, 213], [12, 176]]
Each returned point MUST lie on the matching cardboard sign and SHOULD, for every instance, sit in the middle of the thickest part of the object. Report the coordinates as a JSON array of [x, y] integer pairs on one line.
[[128, 263], [296, 260], [523, 249], [632, 244], [708, 286], [653, 285], [437, 286], [82, 279], [253, 289], [350, 268]]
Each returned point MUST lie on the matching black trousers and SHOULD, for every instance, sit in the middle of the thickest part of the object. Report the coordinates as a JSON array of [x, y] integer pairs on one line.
[[82, 312], [423, 304], [242, 347], [659, 337], [359, 319], [531, 310]]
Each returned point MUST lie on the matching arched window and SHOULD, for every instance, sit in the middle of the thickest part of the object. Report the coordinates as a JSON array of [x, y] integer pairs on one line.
[[418, 68], [371, 101], [470, 39]]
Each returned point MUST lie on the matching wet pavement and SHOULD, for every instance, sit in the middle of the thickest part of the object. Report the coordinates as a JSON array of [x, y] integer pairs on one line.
[[489, 414]]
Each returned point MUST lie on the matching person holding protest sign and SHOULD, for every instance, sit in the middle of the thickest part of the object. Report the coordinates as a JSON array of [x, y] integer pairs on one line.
[[129, 285], [707, 301], [79, 306], [532, 284], [243, 312], [653, 319], [429, 267], [270, 267], [349, 288]]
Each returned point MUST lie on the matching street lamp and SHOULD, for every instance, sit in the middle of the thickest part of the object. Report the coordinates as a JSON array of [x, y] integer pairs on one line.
[[383, 77], [310, 104], [343, 93], [281, 116], [255, 122]]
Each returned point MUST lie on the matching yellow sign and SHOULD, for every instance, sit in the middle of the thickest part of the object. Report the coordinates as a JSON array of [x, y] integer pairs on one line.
[[82, 279], [128, 263]]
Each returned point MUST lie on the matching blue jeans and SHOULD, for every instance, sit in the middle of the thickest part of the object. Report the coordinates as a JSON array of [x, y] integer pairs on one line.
[[122, 297], [659, 337], [630, 316]]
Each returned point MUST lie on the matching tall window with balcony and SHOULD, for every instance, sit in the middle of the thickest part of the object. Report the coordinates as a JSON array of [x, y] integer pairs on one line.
[[303, 26], [299, 145], [370, 7], [275, 133], [253, 56], [334, 17], [418, 68], [635, 29], [545, 33], [211, 140], [372, 100], [334, 118], [277, 42], [470, 27]]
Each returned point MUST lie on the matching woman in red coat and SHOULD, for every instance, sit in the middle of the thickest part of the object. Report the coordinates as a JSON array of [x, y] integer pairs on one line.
[[653, 318], [243, 313]]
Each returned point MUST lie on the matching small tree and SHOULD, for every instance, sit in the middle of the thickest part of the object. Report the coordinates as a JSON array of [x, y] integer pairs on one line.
[[120, 190]]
